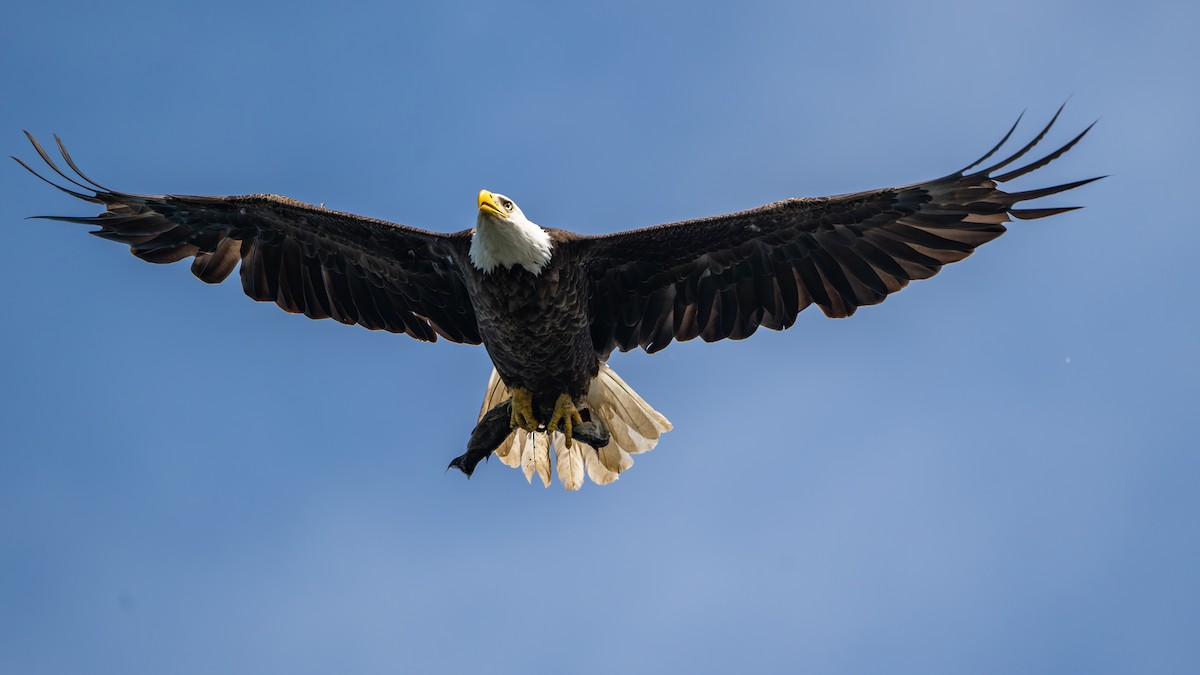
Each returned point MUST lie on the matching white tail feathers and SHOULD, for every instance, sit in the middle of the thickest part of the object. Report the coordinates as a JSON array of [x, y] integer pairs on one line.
[[634, 427]]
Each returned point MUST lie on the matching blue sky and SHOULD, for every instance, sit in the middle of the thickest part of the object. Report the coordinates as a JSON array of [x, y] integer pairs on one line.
[[989, 473]]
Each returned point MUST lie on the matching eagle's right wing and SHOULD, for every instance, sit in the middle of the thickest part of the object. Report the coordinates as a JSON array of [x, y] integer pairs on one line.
[[304, 258], [725, 276]]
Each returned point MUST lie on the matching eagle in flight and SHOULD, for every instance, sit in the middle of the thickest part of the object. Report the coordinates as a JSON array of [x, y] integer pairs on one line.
[[550, 306]]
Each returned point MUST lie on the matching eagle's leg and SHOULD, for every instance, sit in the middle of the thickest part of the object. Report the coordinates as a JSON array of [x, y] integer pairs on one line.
[[565, 412], [522, 410]]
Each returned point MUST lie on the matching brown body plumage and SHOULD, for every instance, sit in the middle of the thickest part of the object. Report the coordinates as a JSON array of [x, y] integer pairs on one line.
[[536, 329]]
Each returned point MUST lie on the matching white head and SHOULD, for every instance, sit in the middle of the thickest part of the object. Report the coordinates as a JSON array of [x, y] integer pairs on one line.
[[505, 237]]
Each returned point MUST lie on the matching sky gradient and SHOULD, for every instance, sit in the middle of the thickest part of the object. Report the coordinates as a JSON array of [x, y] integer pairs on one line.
[[988, 473]]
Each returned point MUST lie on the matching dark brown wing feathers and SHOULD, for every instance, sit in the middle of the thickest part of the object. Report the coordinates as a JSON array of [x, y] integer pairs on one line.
[[306, 259], [713, 278], [724, 277]]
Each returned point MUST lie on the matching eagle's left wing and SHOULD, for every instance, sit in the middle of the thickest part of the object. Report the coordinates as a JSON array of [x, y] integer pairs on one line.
[[723, 277], [306, 259]]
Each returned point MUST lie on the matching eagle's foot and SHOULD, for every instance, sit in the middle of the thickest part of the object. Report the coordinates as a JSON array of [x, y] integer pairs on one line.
[[565, 412], [522, 411]]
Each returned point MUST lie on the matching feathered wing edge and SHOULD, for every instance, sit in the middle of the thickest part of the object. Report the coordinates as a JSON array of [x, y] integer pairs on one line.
[[723, 277], [634, 426], [305, 259]]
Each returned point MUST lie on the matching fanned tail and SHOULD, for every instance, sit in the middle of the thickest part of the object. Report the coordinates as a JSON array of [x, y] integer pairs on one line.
[[634, 427]]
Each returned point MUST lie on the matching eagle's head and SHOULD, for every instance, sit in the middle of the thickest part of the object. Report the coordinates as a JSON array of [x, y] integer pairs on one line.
[[504, 237]]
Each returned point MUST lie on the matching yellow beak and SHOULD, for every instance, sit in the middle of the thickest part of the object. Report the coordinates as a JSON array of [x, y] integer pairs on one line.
[[488, 202]]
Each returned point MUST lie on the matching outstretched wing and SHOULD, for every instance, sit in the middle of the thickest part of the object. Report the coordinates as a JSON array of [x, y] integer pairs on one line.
[[306, 259], [723, 277]]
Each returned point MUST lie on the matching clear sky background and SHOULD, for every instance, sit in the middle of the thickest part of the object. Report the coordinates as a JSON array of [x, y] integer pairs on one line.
[[992, 472]]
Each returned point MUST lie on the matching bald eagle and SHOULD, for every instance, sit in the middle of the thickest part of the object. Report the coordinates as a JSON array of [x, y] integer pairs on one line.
[[551, 306]]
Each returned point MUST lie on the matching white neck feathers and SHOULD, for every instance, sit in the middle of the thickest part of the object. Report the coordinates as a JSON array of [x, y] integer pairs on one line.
[[507, 243]]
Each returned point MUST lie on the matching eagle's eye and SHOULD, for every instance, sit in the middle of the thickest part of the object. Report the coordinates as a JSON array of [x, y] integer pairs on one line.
[[507, 205]]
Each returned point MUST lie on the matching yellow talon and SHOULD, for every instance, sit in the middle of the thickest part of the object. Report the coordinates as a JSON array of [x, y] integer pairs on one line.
[[522, 411], [565, 412]]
